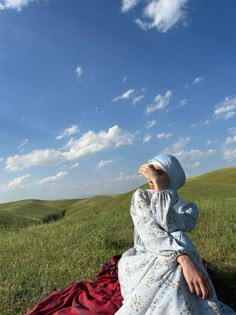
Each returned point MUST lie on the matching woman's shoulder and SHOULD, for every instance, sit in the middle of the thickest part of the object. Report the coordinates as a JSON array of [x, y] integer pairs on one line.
[[144, 194], [181, 202]]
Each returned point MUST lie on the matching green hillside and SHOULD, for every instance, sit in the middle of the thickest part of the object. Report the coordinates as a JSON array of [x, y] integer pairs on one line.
[[225, 175], [27, 212], [219, 184], [38, 259]]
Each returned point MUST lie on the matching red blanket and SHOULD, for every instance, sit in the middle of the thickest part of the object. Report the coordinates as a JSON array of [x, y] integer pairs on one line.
[[100, 297]]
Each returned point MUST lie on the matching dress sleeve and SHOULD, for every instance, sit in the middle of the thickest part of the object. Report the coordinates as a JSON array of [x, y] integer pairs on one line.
[[172, 213], [145, 224]]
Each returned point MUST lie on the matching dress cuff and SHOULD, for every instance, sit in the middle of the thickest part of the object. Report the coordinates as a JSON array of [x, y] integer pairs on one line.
[[181, 253]]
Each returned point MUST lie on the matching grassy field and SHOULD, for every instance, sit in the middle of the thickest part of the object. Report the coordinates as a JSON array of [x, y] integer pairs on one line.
[[37, 258]]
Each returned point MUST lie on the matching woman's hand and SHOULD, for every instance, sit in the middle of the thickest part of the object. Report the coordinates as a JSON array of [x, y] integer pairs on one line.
[[157, 178], [148, 171], [198, 283]]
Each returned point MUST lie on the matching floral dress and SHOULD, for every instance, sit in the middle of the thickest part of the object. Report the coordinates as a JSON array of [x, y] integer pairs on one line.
[[151, 280]]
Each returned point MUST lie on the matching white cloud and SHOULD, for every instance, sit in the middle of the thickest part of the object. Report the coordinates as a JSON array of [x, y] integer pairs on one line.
[[124, 79], [16, 183], [125, 95], [163, 14], [68, 132], [229, 154], [198, 80], [68, 166], [14, 4], [164, 135], [230, 140], [34, 158], [226, 109], [209, 142], [129, 95], [79, 71], [124, 177], [193, 154], [159, 102], [23, 143], [183, 102], [103, 163], [53, 179], [128, 5], [178, 146], [229, 146], [177, 149], [137, 99], [147, 138], [232, 130], [89, 144], [75, 165], [98, 110], [206, 122], [151, 123]]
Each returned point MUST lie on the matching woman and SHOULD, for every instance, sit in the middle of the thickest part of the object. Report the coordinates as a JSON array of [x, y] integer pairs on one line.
[[163, 273]]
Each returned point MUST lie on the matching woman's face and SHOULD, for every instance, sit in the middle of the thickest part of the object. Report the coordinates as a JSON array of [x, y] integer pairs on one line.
[[163, 175]]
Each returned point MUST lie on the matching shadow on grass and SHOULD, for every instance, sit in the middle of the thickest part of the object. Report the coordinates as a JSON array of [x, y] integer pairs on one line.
[[224, 283]]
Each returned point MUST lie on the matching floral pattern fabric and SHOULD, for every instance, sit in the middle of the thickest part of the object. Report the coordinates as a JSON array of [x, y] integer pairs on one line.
[[151, 280]]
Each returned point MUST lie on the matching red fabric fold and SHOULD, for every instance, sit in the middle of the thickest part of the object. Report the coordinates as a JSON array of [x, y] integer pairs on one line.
[[101, 296]]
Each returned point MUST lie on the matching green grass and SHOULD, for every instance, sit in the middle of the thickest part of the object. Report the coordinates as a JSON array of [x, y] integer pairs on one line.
[[40, 258]]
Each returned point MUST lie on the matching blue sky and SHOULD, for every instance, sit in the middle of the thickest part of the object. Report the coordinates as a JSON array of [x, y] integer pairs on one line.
[[91, 89]]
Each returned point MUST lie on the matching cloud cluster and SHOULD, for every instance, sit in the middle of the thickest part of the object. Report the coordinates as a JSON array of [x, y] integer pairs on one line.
[[147, 138], [160, 14], [90, 143], [14, 4], [150, 123], [129, 95], [226, 109], [229, 147], [128, 5], [159, 102], [79, 71], [69, 132], [16, 183], [164, 135], [103, 163], [23, 144], [125, 96], [53, 179], [198, 80], [178, 150]]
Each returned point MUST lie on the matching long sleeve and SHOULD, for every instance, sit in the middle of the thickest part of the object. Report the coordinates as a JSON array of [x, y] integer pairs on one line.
[[173, 213]]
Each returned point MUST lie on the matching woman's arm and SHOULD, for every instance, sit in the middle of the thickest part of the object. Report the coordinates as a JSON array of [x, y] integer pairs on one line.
[[197, 282]]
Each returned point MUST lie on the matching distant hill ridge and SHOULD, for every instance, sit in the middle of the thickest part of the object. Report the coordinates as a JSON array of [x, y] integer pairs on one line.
[[218, 183], [222, 176]]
